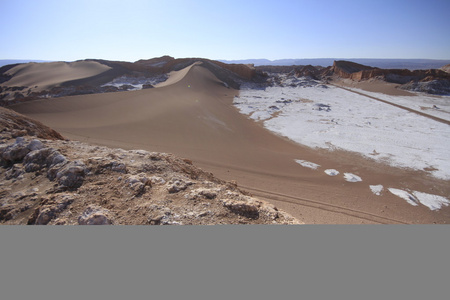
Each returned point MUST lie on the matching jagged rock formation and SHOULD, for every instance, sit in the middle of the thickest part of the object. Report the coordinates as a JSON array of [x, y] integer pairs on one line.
[[54, 181]]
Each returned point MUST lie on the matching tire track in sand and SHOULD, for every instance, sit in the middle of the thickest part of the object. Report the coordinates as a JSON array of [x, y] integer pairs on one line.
[[321, 206]]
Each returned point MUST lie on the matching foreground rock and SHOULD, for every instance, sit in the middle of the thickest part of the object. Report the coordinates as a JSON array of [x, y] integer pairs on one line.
[[57, 182]]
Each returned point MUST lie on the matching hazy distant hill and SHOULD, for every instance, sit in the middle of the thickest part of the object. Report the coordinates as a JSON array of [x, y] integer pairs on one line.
[[412, 64], [4, 62]]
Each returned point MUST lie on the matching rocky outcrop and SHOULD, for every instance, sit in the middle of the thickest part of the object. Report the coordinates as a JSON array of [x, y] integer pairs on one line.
[[433, 81], [60, 182], [309, 71], [354, 71], [436, 87], [13, 124], [345, 69], [446, 68]]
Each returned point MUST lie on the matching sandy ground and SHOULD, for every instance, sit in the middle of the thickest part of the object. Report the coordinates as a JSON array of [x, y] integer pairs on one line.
[[47, 75], [194, 118], [372, 85]]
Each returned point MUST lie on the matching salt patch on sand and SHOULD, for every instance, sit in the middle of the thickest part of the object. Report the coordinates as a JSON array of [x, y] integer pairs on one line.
[[307, 164], [376, 189], [433, 202], [352, 177], [404, 195], [332, 172]]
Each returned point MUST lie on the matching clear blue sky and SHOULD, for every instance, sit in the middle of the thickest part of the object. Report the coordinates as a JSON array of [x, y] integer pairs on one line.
[[131, 29]]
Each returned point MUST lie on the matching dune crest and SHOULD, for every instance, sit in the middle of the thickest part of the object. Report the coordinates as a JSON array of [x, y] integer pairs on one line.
[[48, 75], [176, 76]]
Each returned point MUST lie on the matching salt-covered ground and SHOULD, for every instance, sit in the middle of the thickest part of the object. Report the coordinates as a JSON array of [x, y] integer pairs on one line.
[[433, 202], [437, 106], [135, 83], [329, 117]]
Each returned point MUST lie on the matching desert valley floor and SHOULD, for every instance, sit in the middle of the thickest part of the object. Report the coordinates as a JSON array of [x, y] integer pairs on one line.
[[192, 115]]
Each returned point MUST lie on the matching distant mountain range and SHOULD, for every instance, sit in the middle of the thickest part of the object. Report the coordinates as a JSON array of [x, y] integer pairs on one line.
[[412, 64]]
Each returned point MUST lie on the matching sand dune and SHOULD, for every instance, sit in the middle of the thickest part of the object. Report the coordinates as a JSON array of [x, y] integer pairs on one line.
[[192, 116], [48, 75]]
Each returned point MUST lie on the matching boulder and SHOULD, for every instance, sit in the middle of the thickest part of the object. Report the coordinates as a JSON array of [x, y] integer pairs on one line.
[[95, 215], [42, 158], [175, 185], [247, 208], [71, 176], [54, 207], [137, 183], [35, 145], [15, 152], [202, 193]]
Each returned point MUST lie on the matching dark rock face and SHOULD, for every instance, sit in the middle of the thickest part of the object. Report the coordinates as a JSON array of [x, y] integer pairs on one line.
[[436, 87]]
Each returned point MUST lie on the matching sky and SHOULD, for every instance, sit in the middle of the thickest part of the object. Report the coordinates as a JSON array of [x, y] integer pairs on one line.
[[137, 29]]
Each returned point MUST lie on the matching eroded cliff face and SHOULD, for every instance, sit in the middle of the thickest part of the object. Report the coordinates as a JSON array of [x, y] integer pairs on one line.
[[346, 69]]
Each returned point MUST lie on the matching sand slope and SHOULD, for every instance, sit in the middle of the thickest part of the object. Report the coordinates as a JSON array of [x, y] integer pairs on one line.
[[48, 75], [193, 117]]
